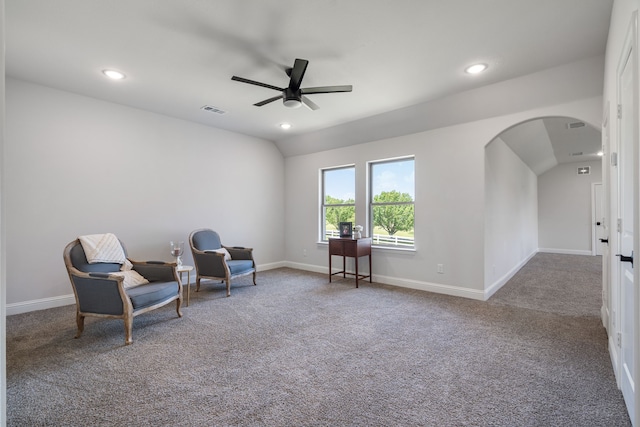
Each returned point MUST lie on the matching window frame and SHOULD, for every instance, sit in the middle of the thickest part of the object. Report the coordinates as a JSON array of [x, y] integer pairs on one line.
[[371, 204], [323, 205]]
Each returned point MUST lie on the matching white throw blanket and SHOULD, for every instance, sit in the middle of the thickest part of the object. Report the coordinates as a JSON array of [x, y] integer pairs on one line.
[[104, 248], [107, 248]]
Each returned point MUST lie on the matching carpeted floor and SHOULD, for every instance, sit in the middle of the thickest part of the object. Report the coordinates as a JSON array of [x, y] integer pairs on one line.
[[297, 350]]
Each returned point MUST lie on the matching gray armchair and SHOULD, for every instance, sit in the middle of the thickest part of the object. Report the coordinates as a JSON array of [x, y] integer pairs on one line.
[[100, 292], [216, 261]]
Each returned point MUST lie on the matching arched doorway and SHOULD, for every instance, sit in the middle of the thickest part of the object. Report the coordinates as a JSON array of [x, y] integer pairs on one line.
[[539, 177]]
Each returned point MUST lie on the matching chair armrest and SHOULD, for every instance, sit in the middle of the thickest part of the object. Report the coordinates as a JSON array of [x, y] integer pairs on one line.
[[210, 263], [156, 271], [99, 278], [239, 252], [98, 292], [213, 252], [100, 275]]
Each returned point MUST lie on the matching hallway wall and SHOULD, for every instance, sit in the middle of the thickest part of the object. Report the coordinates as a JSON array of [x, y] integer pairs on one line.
[[511, 220], [564, 208]]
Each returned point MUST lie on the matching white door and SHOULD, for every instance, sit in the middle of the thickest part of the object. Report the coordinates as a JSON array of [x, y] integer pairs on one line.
[[626, 230], [598, 220]]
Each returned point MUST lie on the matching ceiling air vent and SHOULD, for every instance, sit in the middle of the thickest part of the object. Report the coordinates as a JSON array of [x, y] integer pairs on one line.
[[212, 109], [584, 170], [579, 153], [575, 125]]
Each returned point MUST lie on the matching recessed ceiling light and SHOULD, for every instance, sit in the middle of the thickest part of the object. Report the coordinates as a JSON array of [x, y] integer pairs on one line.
[[475, 69], [285, 126], [600, 153], [113, 74]]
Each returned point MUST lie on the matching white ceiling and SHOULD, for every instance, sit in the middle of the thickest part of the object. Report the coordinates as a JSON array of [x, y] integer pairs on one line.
[[179, 55]]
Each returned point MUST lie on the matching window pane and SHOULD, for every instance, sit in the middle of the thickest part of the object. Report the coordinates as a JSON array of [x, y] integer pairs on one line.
[[393, 225], [340, 184], [393, 176], [334, 215]]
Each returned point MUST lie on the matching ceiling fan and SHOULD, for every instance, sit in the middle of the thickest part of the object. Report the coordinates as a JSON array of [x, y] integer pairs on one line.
[[293, 95]]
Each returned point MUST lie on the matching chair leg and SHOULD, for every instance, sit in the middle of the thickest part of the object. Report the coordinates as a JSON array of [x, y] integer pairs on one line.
[[179, 306], [228, 287], [80, 323], [128, 328], [254, 278], [197, 284]]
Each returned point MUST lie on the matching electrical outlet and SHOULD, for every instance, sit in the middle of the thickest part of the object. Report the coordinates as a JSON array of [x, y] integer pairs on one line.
[[304, 253], [440, 269]]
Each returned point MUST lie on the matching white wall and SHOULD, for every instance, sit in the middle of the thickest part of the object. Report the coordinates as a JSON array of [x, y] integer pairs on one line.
[[444, 160], [511, 214], [76, 165], [565, 209]]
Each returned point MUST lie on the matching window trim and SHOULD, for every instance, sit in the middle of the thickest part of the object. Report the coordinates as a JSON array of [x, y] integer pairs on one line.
[[371, 204], [323, 206]]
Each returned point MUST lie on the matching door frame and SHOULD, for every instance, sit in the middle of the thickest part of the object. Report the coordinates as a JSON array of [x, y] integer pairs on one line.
[[595, 244]]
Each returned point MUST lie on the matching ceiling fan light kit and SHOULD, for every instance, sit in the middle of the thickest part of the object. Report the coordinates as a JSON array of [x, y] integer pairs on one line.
[[293, 95], [291, 99]]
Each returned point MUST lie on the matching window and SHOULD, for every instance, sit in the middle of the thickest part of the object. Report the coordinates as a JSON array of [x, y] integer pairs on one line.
[[391, 202], [338, 199]]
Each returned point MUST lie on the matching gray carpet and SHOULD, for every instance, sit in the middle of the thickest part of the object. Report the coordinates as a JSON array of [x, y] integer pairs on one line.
[[297, 350]]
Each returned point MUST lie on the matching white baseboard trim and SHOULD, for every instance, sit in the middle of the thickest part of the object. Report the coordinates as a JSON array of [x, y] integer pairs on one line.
[[565, 251], [604, 315], [308, 267], [270, 266], [439, 288], [504, 279], [615, 358], [404, 283], [40, 304]]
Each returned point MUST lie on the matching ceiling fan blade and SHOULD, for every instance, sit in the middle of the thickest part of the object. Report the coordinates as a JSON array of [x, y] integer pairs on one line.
[[253, 82], [297, 73], [266, 101], [326, 89], [309, 103]]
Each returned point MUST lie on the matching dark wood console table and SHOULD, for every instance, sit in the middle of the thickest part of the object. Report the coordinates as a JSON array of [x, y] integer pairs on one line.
[[348, 247]]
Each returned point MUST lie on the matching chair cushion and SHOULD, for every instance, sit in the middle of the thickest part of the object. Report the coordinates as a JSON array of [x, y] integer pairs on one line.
[[240, 266], [152, 293], [204, 240]]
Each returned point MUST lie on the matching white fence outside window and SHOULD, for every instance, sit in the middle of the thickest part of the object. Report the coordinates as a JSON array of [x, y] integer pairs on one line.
[[381, 239]]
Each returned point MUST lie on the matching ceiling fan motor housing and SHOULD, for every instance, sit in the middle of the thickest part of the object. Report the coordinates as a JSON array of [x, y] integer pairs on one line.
[[291, 99]]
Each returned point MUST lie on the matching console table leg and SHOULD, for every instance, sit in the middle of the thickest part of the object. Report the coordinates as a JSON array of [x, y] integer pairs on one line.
[[344, 266]]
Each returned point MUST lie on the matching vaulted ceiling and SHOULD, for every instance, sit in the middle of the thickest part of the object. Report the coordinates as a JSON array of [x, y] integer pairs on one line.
[[545, 143], [179, 56]]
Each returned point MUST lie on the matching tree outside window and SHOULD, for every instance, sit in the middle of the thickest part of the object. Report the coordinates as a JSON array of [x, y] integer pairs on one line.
[[338, 199], [392, 202]]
